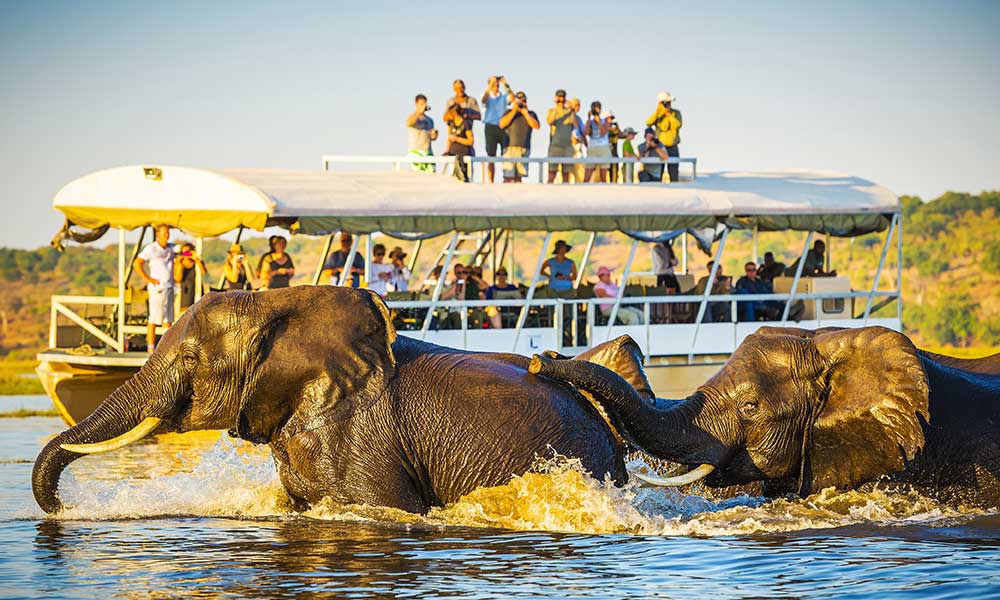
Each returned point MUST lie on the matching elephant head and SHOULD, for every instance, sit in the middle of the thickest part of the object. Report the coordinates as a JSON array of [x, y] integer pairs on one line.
[[246, 362], [797, 409]]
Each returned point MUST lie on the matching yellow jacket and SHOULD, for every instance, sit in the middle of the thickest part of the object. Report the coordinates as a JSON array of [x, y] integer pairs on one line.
[[668, 126]]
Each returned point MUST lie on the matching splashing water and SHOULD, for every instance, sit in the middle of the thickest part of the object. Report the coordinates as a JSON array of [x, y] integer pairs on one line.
[[233, 479]]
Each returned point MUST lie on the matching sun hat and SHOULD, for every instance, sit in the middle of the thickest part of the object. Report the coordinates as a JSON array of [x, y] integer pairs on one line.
[[397, 252], [236, 249], [629, 130], [664, 97], [603, 271], [561, 243]]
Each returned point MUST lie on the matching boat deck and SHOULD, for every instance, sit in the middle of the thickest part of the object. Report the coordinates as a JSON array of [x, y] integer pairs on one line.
[[98, 358]]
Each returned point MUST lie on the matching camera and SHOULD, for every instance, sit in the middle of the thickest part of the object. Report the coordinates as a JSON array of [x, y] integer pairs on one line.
[[187, 254], [665, 104], [426, 108], [241, 257], [460, 282]]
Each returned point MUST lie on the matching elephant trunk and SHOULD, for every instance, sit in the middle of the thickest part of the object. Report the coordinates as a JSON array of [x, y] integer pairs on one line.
[[119, 414], [667, 429]]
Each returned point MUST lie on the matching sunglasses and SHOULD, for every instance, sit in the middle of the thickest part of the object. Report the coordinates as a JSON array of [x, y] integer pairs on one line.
[[380, 254]]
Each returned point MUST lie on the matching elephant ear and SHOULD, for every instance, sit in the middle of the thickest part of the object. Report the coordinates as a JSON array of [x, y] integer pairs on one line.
[[866, 423], [623, 356]]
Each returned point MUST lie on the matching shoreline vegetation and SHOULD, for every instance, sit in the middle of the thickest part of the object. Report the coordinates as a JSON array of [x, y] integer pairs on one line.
[[951, 276]]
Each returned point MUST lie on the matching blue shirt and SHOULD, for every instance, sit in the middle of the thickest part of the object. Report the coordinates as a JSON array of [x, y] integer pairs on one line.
[[339, 258], [496, 106], [495, 288], [560, 268]]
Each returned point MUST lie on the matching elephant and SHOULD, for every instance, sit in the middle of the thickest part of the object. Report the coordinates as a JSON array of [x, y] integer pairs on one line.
[[349, 410], [796, 411]]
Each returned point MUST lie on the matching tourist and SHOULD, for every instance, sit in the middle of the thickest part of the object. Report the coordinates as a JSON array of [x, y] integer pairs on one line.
[[381, 272], [651, 148], [469, 106], [159, 255], [598, 144], [614, 135], [814, 264], [237, 274], [717, 311], [496, 104], [460, 141], [277, 268], [579, 141], [605, 288], [562, 122], [184, 273], [756, 310], [769, 269], [560, 269], [421, 133], [461, 288], [518, 123], [668, 123], [400, 281], [628, 150], [664, 262], [502, 289], [334, 265]]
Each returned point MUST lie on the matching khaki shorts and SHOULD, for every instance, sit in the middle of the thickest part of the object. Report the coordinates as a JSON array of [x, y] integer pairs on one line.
[[599, 152], [560, 152], [161, 305], [512, 169]]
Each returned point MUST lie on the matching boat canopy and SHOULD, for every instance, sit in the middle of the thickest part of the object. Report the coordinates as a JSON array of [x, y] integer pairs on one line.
[[211, 202]]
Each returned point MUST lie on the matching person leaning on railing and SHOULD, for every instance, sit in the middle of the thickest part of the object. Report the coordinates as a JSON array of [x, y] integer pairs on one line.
[[668, 123], [502, 289], [651, 148]]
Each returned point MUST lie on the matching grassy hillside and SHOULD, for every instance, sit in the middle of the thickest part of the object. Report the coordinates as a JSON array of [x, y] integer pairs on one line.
[[951, 271]]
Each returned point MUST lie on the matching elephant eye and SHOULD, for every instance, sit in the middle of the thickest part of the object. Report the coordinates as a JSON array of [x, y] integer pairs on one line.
[[190, 359], [749, 408]]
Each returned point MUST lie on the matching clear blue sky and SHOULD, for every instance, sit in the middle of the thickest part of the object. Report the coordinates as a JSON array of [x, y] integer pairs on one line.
[[904, 93]]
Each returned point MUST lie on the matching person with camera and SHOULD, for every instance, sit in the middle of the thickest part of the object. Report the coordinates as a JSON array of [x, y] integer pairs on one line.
[[276, 267], [400, 281], [651, 148], [668, 123], [184, 273], [597, 132], [460, 140], [562, 121], [496, 104], [614, 135], [579, 141], [468, 104], [237, 271], [421, 133], [518, 123]]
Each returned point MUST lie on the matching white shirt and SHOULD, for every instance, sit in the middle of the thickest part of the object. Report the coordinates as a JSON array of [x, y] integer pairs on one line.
[[401, 279], [381, 275], [663, 261], [160, 262]]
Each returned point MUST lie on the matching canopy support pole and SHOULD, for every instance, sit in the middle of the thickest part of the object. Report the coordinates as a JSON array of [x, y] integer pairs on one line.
[[585, 259], [756, 250], [684, 253], [878, 271], [795, 281], [523, 316], [121, 290], [368, 258], [708, 291], [510, 257], [413, 254], [199, 277], [345, 273], [621, 289], [322, 259], [829, 251], [438, 285], [135, 253]]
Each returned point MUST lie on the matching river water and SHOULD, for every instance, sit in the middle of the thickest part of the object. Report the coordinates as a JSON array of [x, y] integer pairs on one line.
[[202, 514]]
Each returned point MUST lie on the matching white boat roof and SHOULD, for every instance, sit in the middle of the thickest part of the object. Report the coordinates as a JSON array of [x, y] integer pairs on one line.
[[210, 202]]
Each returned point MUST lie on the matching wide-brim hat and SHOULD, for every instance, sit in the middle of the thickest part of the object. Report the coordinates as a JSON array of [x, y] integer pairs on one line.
[[559, 244], [397, 251], [236, 249], [664, 97], [629, 130]]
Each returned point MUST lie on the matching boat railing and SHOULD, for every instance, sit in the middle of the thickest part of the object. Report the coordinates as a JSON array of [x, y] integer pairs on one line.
[[628, 176]]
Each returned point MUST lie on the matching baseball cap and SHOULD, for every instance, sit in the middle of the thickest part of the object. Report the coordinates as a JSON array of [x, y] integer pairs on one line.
[[629, 130], [603, 271], [561, 93]]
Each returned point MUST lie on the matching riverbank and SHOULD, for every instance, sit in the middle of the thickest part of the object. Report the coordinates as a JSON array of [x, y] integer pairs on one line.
[[18, 378]]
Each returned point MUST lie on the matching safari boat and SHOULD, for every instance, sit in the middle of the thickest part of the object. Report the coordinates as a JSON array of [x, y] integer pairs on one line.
[[479, 224]]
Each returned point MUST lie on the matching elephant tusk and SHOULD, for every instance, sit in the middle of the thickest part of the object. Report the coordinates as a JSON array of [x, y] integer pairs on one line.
[[690, 477], [136, 433]]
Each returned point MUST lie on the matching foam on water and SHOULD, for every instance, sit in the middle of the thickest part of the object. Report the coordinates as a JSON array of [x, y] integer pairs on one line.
[[232, 479]]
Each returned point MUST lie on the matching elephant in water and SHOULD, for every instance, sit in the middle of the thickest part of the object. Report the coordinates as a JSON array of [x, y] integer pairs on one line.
[[349, 410], [799, 411]]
